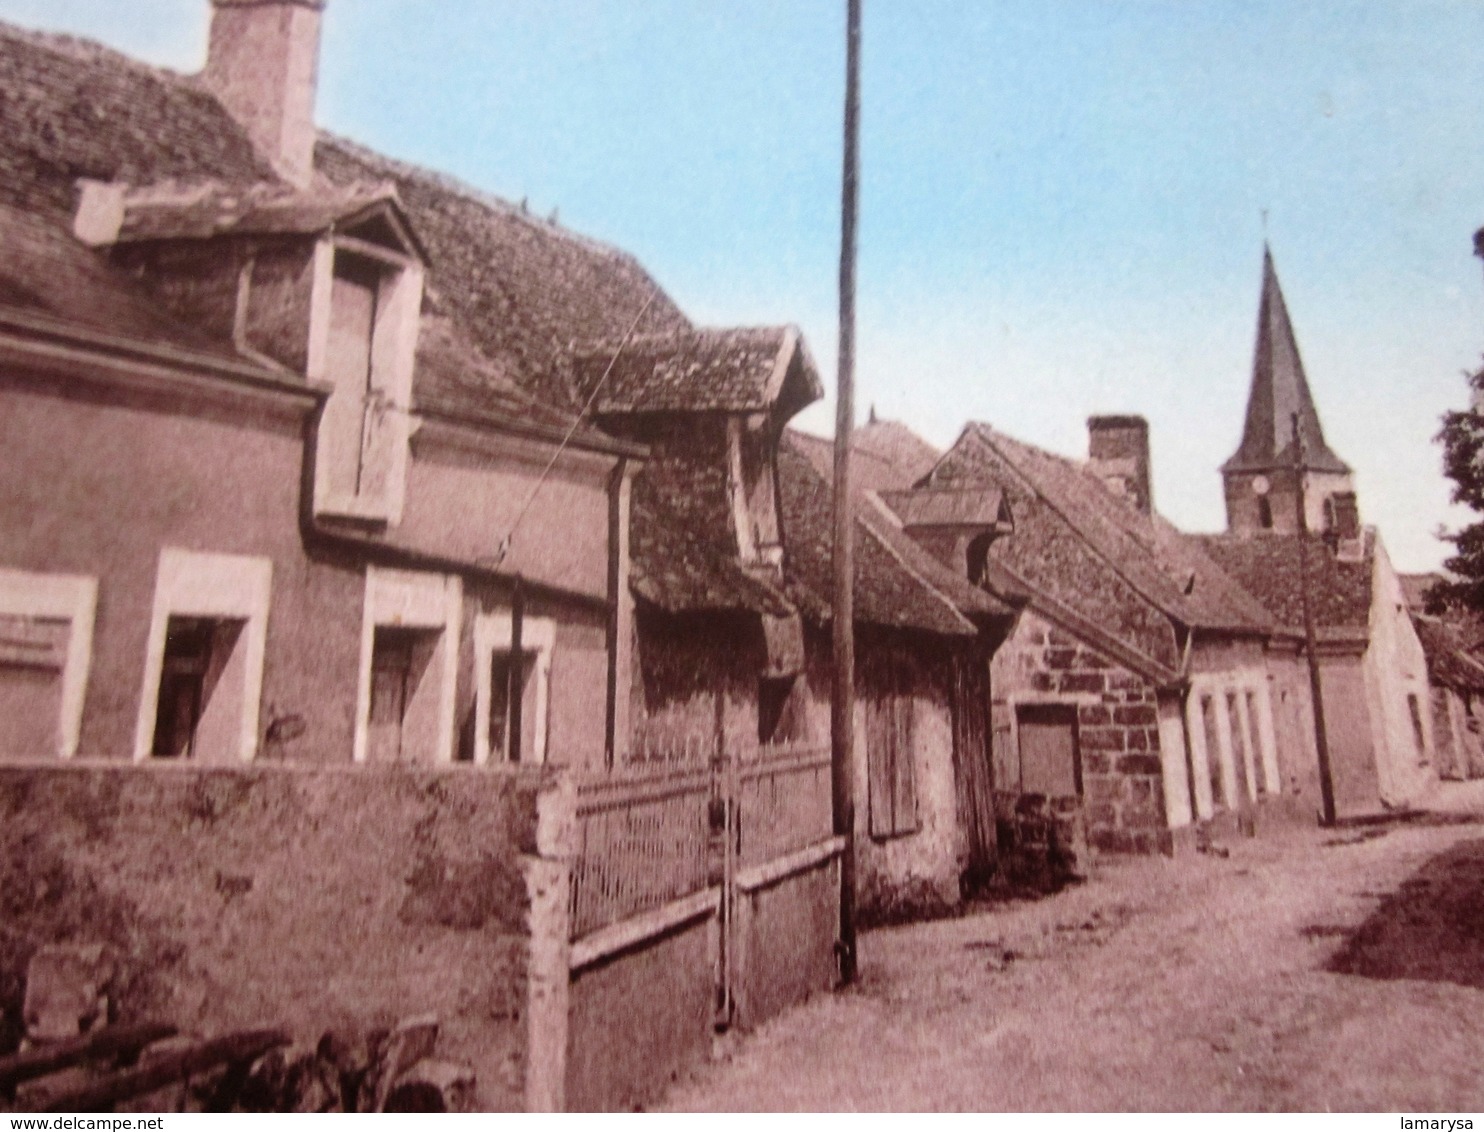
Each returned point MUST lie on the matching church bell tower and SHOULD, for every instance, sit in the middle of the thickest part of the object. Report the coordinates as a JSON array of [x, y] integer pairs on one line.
[[1263, 477]]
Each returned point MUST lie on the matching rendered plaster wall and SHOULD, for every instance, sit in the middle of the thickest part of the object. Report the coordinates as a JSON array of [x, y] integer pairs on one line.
[[308, 898], [159, 471], [1396, 671], [1117, 726], [921, 868], [224, 477], [639, 1016], [466, 494]]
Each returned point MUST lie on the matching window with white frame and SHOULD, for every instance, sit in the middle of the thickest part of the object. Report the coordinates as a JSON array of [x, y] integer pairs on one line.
[[46, 646], [513, 688], [363, 340], [203, 671], [409, 643]]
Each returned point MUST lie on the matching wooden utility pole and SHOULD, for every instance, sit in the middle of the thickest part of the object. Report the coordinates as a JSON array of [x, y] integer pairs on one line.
[[1316, 693], [842, 691]]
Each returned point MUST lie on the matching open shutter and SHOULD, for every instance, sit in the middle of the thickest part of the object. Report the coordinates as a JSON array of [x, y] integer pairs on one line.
[[880, 729], [904, 793]]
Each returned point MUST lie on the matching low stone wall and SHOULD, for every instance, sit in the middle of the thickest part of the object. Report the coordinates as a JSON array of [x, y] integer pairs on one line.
[[311, 899]]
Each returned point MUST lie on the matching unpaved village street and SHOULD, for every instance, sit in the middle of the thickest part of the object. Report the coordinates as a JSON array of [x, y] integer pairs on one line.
[[1205, 983]]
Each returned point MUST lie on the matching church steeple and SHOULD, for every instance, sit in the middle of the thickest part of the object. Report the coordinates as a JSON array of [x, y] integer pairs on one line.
[[1260, 477]]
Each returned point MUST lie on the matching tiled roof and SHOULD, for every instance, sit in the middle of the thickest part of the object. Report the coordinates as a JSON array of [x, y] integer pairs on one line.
[[948, 507], [728, 370], [507, 295], [1081, 545], [1267, 566], [74, 109], [525, 291], [892, 452], [1048, 551], [888, 591], [455, 378], [44, 271], [804, 467], [1448, 663], [1415, 587], [684, 557], [202, 209]]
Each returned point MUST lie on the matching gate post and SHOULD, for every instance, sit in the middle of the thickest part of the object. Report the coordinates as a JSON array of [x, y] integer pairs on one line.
[[548, 876]]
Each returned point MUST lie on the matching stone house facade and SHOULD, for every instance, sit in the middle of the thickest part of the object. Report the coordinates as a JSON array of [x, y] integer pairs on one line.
[[1129, 629]]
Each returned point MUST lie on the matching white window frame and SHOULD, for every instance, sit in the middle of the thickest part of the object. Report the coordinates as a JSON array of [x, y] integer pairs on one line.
[[492, 634], [191, 583], [410, 599], [393, 352], [70, 597]]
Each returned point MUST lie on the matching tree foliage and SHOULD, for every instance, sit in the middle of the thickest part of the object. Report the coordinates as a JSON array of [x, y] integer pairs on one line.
[[1462, 438]]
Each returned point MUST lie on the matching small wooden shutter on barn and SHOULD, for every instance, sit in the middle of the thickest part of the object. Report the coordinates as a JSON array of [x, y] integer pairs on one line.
[[892, 785]]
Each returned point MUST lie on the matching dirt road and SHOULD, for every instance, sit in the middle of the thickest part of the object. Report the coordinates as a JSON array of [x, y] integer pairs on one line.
[[1307, 970]]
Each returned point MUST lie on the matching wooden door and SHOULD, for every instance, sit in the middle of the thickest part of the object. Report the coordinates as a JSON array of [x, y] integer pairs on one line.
[[1050, 763], [891, 779]]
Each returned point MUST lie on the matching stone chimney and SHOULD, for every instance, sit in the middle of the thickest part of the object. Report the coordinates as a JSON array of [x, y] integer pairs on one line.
[[1118, 454], [262, 64]]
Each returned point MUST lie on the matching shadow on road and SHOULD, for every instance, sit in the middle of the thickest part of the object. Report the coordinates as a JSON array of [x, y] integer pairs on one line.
[[1431, 928]]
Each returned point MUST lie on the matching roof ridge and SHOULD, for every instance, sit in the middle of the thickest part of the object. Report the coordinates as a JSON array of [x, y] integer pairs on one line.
[[85, 49], [990, 436], [592, 346], [483, 197]]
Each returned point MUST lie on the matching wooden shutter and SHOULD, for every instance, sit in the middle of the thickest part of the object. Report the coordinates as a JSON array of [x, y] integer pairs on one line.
[[348, 366], [972, 774], [892, 782]]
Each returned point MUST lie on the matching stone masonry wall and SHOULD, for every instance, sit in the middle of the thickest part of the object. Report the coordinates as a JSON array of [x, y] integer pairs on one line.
[[1117, 724], [298, 897]]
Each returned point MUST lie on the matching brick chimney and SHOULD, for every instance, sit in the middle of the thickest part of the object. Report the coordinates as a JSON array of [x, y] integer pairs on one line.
[[1118, 454], [262, 64]]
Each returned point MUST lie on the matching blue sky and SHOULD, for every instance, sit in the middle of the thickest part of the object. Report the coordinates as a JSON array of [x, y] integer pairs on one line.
[[1061, 201]]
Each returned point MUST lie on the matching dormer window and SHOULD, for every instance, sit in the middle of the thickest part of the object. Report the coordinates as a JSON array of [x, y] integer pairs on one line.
[[753, 492], [362, 344]]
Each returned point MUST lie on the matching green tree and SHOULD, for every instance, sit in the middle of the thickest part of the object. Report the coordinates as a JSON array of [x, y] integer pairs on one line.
[[1462, 438]]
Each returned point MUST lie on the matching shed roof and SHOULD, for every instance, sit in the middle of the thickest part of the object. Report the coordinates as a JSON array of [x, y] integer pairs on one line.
[[950, 507]]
